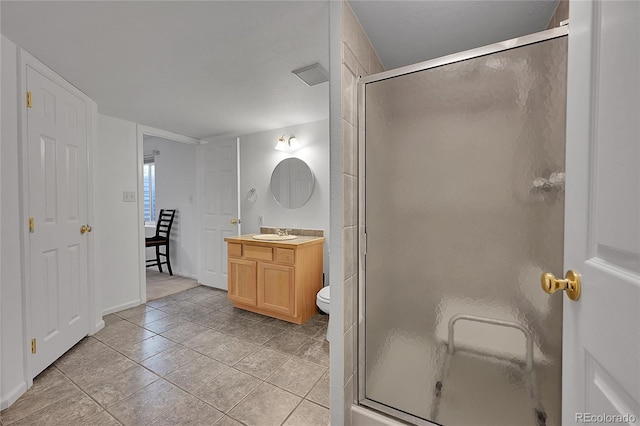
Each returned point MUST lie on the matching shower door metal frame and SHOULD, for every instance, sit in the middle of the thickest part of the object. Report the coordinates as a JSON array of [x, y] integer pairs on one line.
[[362, 236]]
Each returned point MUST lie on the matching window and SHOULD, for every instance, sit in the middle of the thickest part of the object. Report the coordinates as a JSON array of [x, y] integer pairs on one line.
[[149, 173]]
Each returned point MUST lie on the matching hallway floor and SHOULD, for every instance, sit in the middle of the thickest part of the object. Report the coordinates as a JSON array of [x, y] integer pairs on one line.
[[161, 284], [186, 359]]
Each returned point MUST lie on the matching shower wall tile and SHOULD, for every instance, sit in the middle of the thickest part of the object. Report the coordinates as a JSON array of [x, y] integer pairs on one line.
[[349, 304], [348, 93], [350, 203], [350, 27], [349, 365], [358, 59], [349, 59], [349, 149], [561, 14], [349, 398], [349, 247]]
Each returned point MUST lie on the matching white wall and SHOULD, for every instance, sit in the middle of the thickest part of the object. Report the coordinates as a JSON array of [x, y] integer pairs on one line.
[[258, 158], [116, 228], [176, 189], [12, 379]]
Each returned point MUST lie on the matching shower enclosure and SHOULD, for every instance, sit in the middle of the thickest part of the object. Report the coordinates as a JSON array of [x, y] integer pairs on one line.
[[461, 210]]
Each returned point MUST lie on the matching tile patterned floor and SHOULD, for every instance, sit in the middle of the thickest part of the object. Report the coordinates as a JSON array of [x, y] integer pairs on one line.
[[186, 359]]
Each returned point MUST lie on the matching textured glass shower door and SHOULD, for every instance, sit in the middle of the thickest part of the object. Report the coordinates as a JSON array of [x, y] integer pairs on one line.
[[463, 210]]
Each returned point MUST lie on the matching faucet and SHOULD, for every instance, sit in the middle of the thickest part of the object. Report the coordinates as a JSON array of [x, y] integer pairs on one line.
[[282, 232]]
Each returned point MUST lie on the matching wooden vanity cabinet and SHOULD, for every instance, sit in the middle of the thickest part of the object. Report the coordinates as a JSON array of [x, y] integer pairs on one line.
[[278, 279]]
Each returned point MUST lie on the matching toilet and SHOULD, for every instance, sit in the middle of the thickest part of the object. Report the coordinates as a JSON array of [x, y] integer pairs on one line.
[[322, 300]]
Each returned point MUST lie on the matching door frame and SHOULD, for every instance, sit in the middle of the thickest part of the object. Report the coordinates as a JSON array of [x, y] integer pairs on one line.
[[141, 132], [94, 319], [361, 399]]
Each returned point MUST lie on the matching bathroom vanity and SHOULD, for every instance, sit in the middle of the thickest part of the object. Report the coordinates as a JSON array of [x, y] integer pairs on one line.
[[275, 278]]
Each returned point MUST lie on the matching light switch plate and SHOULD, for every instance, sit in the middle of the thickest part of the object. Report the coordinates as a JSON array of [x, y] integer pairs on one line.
[[129, 196]]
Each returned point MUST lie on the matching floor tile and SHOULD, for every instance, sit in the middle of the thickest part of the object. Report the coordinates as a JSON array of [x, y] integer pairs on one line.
[[170, 360], [102, 419], [165, 324], [137, 310], [100, 370], [197, 373], [120, 386], [297, 376], [148, 403], [207, 342], [250, 330], [70, 411], [288, 342], [122, 334], [43, 381], [227, 389], [308, 414], [241, 313], [147, 317], [265, 406], [228, 421], [184, 332], [147, 348], [190, 412], [110, 319], [179, 306], [84, 354], [316, 351], [185, 359], [31, 402], [231, 350], [215, 320], [262, 363], [209, 300], [320, 392]]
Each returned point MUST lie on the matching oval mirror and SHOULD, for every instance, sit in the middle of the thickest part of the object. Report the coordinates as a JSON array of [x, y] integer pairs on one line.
[[292, 183]]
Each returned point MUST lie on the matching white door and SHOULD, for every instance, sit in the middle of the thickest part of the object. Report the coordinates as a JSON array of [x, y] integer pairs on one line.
[[57, 201], [219, 209], [601, 360]]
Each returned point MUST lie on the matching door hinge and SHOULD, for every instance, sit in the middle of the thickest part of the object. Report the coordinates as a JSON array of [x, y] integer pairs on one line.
[[33, 346], [29, 102], [32, 225]]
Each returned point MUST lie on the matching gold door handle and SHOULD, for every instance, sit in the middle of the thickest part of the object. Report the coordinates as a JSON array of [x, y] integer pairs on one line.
[[235, 221], [89, 228], [571, 284], [84, 229]]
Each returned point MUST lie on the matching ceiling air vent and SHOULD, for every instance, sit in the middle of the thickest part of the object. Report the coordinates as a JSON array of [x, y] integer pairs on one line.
[[312, 74]]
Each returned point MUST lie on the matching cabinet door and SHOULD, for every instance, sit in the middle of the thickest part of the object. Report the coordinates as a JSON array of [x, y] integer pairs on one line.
[[242, 281], [276, 290]]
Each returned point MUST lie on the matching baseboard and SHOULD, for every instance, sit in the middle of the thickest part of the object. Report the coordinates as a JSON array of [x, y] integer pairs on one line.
[[97, 327], [17, 392], [187, 275], [122, 307]]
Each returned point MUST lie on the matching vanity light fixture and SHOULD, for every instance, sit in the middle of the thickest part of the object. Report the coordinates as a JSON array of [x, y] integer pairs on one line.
[[286, 143]]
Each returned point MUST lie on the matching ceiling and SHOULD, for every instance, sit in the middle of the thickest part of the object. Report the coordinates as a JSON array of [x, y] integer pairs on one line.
[[406, 32], [200, 69], [212, 68]]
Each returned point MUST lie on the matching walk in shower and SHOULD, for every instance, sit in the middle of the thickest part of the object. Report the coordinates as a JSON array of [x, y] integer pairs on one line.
[[462, 210]]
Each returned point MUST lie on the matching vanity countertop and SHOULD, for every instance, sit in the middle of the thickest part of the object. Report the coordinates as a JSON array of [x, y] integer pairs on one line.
[[299, 241]]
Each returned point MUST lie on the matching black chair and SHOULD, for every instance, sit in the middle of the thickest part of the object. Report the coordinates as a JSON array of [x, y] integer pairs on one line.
[[163, 229]]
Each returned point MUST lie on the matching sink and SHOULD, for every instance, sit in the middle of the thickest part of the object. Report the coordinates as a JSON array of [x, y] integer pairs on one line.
[[274, 237]]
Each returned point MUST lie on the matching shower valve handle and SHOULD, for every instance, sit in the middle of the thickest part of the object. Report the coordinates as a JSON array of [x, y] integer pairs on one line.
[[571, 284]]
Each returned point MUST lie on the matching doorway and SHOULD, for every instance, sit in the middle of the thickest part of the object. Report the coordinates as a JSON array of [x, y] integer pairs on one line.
[[167, 181]]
